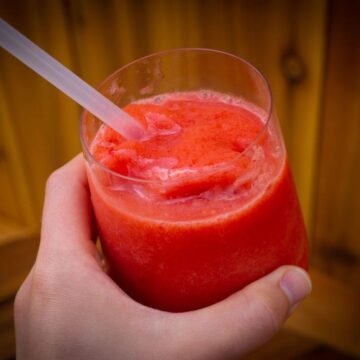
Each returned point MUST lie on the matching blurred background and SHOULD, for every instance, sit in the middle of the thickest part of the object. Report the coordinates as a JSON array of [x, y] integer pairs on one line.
[[310, 52]]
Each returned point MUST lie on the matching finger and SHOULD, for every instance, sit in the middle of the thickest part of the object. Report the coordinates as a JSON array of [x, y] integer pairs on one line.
[[67, 227], [245, 320]]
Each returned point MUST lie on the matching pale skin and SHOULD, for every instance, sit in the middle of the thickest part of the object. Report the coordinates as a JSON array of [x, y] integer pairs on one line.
[[69, 308]]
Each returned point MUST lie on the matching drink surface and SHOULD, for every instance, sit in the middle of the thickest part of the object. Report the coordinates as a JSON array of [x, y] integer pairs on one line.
[[201, 206]]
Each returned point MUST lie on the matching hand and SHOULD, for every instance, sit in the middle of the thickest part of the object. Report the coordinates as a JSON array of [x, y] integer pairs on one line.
[[68, 308]]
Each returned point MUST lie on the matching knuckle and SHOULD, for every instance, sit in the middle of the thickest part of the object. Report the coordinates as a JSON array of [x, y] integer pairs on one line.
[[39, 305], [42, 280], [46, 287], [271, 315], [266, 312], [55, 178]]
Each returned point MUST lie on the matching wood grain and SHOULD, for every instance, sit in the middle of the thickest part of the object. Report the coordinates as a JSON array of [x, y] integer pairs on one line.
[[95, 37], [16, 202], [18, 249], [330, 315], [17, 256], [34, 110], [8, 204], [286, 41], [337, 225], [285, 345], [7, 333]]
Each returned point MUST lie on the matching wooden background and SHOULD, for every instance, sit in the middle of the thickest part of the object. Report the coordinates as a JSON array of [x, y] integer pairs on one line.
[[310, 52]]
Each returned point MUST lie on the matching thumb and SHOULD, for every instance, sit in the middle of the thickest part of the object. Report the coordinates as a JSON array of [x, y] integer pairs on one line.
[[246, 319]]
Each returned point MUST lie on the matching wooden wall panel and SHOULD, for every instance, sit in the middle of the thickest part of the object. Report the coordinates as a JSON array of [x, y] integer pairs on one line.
[[45, 121], [7, 336], [284, 39], [337, 225], [93, 39], [16, 202], [9, 206], [331, 314]]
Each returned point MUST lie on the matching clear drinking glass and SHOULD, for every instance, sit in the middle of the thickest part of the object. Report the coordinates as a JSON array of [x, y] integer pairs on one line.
[[185, 242]]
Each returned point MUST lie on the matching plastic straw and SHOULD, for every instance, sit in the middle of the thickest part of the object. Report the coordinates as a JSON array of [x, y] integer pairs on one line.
[[69, 83]]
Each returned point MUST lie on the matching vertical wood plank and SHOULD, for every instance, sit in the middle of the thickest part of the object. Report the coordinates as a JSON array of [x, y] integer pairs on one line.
[[15, 196], [214, 25], [51, 15], [285, 345], [8, 204], [7, 333], [337, 227], [45, 121], [331, 314], [164, 24], [285, 40], [127, 32], [94, 48], [25, 94]]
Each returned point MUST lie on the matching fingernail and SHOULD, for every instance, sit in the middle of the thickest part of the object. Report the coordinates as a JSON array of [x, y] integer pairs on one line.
[[296, 285]]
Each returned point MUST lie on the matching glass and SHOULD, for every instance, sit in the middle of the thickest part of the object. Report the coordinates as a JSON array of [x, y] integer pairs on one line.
[[187, 251]]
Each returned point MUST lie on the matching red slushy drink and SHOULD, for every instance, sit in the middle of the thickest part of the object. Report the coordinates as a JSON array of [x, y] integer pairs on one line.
[[208, 215]]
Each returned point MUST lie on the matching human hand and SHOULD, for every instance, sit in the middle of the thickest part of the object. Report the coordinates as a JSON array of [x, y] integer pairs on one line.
[[68, 307]]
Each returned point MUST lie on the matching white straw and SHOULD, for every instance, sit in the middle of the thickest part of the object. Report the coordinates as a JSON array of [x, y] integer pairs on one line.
[[69, 83]]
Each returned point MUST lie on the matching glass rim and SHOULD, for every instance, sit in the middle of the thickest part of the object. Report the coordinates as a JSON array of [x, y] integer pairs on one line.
[[216, 168]]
